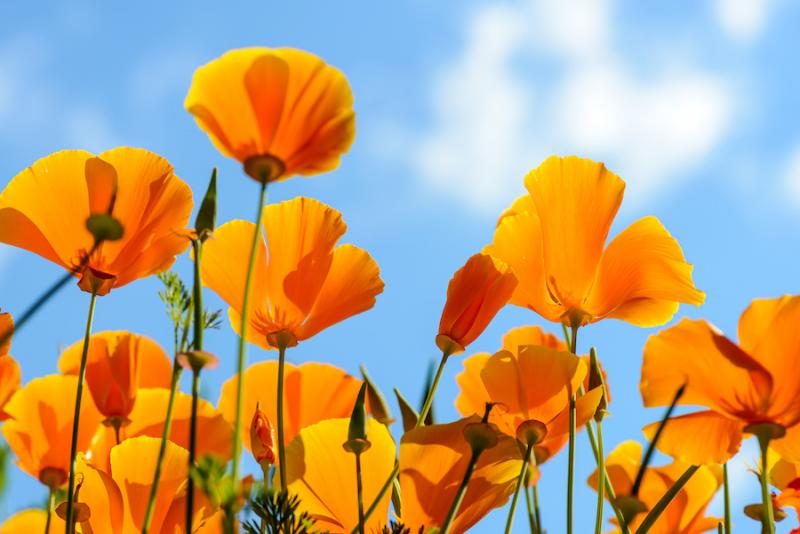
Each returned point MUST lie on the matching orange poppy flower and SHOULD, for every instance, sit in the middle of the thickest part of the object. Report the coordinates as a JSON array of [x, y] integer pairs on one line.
[[44, 209], [33, 520], [555, 241], [39, 429], [531, 379], [118, 363], [10, 381], [312, 392], [474, 296], [262, 438], [752, 383], [6, 326], [147, 419], [117, 499], [323, 475], [302, 282], [686, 513], [282, 108], [433, 460], [785, 476]]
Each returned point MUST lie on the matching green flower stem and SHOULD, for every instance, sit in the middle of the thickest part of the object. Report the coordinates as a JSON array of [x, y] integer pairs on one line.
[[535, 492], [360, 489], [767, 515], [520, 482], [192, 450], [281, 446], [609, 488], [462, 490], [573, 345], [601, 479], [531, 508], [242, 348], [73, 451], [426, 406], [727, 495], [665, 500], [51, 501], [162, 451]]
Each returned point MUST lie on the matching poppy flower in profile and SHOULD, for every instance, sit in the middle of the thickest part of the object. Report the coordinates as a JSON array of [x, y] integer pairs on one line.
[[433, 460], [117, 498], [147, 419], [686, 513], [554, 240], [313, 392], [118, 364], [531, 379], [323, 474], [45, 208], [475, 294], [39, 428], [752, 383], [280, 112], [302, 281]]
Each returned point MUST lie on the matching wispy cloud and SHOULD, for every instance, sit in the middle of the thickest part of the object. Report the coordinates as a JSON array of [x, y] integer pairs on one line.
[[743, 20], [535, 78]]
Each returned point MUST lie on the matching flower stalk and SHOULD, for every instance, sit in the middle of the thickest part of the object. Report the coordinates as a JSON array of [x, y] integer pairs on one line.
[[520, 481], [652, 516]]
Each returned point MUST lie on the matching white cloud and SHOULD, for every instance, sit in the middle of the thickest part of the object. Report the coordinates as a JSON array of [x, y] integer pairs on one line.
[[743, 20], [791, 177], [493, 121]]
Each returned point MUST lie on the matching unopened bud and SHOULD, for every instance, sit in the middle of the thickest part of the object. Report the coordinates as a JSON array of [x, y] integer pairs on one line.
[[357, 432], [262, 438]]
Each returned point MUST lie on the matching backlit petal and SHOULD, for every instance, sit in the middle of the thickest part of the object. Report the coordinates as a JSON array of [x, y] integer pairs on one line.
[[10, 381], [33, 520], [699, 438], [622, 465], [472, 396]]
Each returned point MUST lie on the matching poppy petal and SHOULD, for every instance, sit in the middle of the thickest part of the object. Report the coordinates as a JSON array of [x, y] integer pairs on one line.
[[698, 438]]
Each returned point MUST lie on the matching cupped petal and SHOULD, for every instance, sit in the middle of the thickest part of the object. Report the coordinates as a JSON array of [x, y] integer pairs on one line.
[[585, 408], [622, 465], [642, 277], [576, 200], [433, 460], [698, 438], [472, 395], [788, 447], [312, 392], [10, 382], [717, 373], [518, 242], [323, 475], [756, 320], [351, 287], [531, 335], [102, 495]]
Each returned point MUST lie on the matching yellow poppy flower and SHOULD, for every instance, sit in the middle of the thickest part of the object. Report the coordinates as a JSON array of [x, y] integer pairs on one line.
[[39, 429], [475, 294], [44, 209], [31, 521], [750, 383], [118, 363], [282, 108], [686, 513], [302, 282], [312, 392], [323, 475], [433, 460], [554, 242]]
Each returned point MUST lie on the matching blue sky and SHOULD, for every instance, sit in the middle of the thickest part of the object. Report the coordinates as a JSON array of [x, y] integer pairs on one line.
[[692, 103]]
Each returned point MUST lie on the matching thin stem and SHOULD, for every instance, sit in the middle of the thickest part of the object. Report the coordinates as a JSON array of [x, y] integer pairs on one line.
[[573, 346], [665, 500], [242, 349], [531, 510], [609, 488], [767, 515], [462, 490], [162, 451], [727, 495], [426, 406], [73, 451], [51, 501], [601, 480], [197, 296], [381, 493], [281, 446], [192, 449], [520, 481], [535, 491], [360, 494], [637, 483]]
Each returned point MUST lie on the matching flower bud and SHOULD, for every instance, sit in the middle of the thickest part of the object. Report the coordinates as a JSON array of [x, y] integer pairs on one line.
[[377, 402], [357, 432], [262, 438]]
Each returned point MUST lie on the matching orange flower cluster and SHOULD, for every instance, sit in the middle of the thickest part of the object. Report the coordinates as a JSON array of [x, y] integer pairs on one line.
[[136, 454]]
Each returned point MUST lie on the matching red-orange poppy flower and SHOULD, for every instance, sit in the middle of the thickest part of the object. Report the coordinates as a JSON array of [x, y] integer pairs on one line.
[[555, 241], [147, 419], [323, 475], [433, 460], [531, 380], [474, 296], [752, 383], [118, 364], [44, 209], [117, 498], [39, 429], [262, 438], [302, 282], [280, 111], [686, 513], [312, 392]]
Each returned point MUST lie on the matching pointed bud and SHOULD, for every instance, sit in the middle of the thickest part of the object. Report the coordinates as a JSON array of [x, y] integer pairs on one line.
[[262, 438], [357, 432], [397, 500], [597, 380], [377, 402], [206, 219], [408, 414]]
